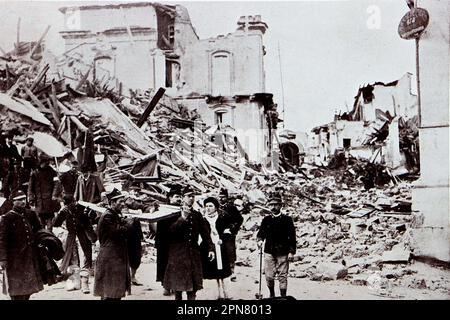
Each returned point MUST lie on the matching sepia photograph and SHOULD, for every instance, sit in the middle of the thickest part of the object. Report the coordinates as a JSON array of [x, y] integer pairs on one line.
[[258, 151]]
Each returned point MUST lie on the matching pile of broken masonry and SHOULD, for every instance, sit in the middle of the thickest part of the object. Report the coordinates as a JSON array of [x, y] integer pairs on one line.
[[346, 233]]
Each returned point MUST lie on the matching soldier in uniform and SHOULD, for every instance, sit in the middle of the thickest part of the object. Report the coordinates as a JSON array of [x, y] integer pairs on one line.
[[112, 279], [19, 252], [184, 266], [278, 232], [78, 226], [162, 238]]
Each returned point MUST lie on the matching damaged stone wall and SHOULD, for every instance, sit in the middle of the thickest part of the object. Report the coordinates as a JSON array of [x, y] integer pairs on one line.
[[150, 45], [381, 128], [241, 52], [127, 34], [395, 97], [431, 191], [227, 71]]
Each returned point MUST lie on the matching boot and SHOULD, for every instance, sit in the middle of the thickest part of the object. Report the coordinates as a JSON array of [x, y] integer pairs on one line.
[[272, 292], [77, 278], [84, 275], [283, 292], [226, 296], [178, 295], [191, 295], [233, 276]]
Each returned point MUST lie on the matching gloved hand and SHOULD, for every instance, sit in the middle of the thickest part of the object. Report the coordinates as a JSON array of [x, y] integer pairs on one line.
[[2, 265]]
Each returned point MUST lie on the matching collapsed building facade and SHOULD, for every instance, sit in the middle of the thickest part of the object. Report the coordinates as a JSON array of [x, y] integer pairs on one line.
[[146, 46], [382, 127]]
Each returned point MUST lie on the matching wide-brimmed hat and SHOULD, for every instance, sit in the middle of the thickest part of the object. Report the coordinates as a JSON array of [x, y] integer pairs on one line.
[[211, 200]]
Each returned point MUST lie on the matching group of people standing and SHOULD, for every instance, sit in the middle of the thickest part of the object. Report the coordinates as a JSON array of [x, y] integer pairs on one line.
[[183, 261]]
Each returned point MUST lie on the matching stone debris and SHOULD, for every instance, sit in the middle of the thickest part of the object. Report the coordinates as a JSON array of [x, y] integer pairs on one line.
[[331, 271]]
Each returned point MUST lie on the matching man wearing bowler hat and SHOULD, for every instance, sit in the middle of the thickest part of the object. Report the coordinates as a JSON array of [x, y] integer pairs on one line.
[[278, 232]]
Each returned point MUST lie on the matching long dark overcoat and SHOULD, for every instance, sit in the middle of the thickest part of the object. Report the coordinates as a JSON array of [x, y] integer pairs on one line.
[[229, 219], [112, 271], [184, 266], [162, 244], [19, 250], [41, 190]]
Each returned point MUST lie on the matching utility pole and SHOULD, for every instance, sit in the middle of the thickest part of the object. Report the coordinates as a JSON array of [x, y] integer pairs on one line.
[[18, 36], [418, 77], [282, 86]]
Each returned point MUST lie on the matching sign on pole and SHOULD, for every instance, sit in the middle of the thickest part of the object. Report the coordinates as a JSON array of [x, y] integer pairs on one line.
[[413, 23]]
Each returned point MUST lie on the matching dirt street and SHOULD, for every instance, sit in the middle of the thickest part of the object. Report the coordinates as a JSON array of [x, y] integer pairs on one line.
[[246, 287]]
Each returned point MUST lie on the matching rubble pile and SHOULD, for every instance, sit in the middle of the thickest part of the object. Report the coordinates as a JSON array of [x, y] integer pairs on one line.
[[344, 233], [96, 118]]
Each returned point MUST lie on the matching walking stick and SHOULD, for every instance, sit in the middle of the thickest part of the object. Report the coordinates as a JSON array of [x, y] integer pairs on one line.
[[259, 295], [4, 282]]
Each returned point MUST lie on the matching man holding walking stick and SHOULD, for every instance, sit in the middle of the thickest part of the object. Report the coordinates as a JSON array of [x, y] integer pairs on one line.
[[278, 232]]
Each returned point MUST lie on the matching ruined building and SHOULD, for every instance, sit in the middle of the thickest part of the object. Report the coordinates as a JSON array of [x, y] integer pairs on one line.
[[381, 127], [150, 45]]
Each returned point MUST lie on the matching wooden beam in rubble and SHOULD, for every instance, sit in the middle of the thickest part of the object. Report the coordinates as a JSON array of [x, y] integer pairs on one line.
[[151, 106]]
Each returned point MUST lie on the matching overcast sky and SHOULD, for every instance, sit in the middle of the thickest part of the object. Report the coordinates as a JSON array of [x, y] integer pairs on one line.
[[328, 48]]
